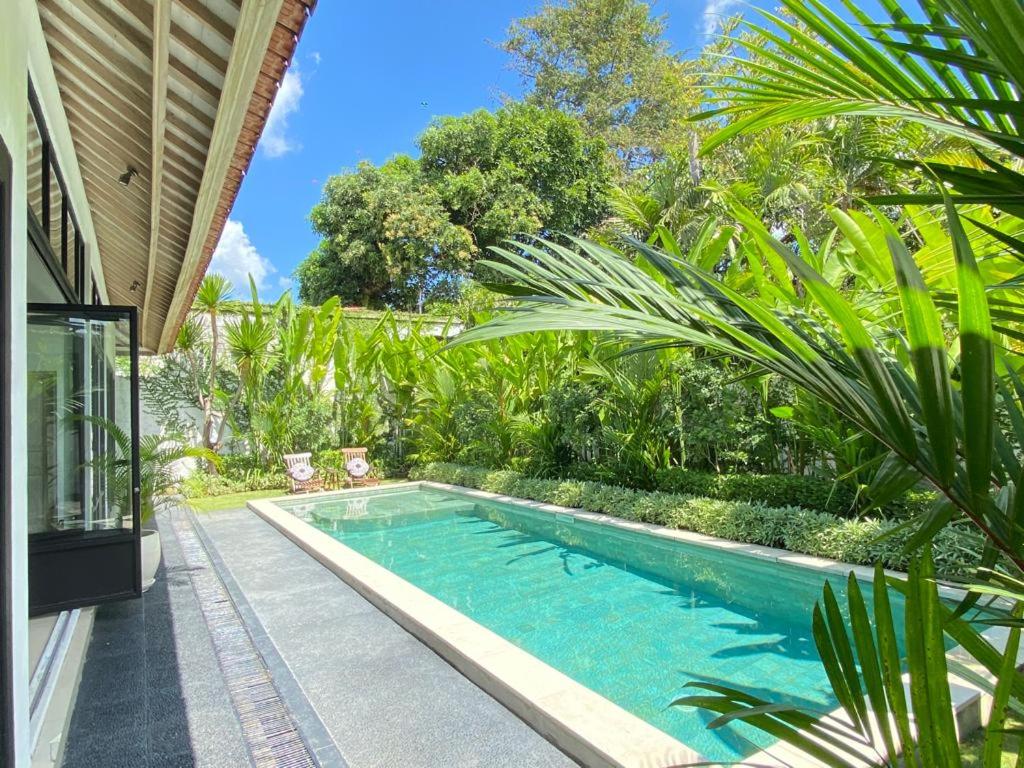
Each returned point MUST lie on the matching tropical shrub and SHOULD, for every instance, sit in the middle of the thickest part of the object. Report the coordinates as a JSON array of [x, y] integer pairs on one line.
[[203, 483], [779, 490], [551, 405], [158, 457], [812, 493]]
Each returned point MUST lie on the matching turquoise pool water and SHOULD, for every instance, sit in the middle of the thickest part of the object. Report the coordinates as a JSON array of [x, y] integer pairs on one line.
[[631, 616]]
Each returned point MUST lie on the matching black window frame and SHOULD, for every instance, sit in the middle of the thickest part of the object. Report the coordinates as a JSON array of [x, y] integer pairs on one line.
[[54, 543], [80, 290]]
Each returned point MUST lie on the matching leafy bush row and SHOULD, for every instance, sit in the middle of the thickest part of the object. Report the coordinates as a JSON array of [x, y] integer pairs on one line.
[[201, 483], [956, 548], [812, 493]]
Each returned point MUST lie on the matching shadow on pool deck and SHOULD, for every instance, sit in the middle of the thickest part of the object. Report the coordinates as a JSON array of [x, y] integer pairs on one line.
[[130, 709], [386, 699], [151, 694]]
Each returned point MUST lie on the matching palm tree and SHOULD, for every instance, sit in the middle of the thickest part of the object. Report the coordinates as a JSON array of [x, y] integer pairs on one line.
[[213, 299], [157, 456], [930, 402]]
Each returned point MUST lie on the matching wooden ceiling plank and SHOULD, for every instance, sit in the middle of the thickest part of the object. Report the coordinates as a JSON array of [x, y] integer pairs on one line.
[[112, 231], [84, 83], [108, 151], [135, 215], [161, 56], [102, 57], [183, 175], [203, 14], [141, 11], [209, 92], [186, 129], [200, 49], [180, 194], [185, 147], [185, 165], [177, 104], [127, 143], [105, 170], [118, 27]]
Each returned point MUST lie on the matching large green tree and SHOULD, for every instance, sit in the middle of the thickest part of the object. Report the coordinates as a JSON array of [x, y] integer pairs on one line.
[[520, 169], [407, 232], [387, 239], [606, 62]]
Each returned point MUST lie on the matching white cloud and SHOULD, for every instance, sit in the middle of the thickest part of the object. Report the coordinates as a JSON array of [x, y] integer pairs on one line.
[[236, 258], [275, 140], [714, 12]]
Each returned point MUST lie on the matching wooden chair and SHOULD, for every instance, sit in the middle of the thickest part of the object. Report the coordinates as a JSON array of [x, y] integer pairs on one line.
[[315, 481], [347, 454]]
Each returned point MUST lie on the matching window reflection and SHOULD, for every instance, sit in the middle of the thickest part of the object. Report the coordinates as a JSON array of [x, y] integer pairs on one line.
[[79, 446]]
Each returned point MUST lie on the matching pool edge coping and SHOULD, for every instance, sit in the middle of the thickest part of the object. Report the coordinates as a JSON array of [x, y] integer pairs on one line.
[[970, 702]]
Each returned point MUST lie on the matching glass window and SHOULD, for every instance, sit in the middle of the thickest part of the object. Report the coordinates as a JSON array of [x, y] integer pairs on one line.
[[35, 170], [48, 206], [80, 445], [68, 240], [57, 214], [40, 286]]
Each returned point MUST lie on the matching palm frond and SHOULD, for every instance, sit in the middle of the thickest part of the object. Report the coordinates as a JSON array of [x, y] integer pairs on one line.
[[958, 73]]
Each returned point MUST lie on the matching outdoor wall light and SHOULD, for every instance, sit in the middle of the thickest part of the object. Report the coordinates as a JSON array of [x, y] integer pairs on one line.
[[126, 177]]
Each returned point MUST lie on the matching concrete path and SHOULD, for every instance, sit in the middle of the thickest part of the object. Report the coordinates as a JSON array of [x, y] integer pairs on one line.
[[385, 698]]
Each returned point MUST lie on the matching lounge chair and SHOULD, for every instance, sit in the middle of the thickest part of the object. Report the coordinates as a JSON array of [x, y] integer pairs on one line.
[[302, 475], [357, 468]]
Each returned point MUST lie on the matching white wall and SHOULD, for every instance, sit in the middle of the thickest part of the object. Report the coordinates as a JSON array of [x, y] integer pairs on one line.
[[149, 424], [13, 120], [23, 51]]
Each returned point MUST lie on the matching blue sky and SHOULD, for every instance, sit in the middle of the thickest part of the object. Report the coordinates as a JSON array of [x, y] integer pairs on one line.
[[365, 81]]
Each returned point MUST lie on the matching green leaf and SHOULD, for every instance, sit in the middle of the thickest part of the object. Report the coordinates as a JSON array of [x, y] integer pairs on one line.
[[993, 750], [923, 326], [977, 364], [870, 666], [889, 657]]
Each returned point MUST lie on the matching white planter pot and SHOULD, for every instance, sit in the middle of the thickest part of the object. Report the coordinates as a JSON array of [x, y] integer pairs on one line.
[[150, 557]]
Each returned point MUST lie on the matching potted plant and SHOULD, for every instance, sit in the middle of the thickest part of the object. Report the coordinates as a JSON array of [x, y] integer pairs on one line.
[[157, 456]]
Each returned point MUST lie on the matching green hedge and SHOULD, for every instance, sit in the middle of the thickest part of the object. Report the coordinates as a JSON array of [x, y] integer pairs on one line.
[[773, 490], [813, 493], [200, 483], [957, 548]]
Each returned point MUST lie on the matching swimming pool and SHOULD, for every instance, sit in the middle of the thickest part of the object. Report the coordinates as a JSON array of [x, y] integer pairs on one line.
[[632, 616]]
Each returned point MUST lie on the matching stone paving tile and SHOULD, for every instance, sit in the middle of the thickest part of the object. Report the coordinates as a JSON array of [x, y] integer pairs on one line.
[[151, 694], [386, 699]]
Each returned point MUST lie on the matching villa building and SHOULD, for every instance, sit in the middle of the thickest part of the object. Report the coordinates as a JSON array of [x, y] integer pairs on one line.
[[126, 128]]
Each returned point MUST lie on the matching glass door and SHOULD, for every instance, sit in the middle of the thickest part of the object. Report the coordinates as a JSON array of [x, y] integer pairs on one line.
[[83, 456]]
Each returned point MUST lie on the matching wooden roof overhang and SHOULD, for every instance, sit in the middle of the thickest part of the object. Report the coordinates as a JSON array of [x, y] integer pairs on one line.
[[179, 90]]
